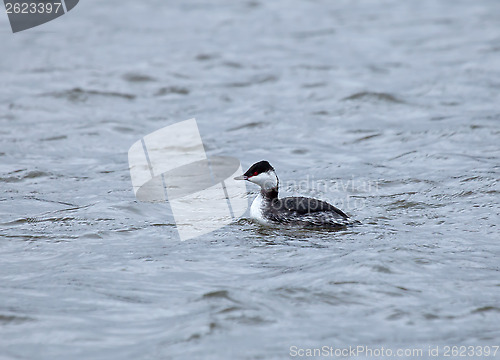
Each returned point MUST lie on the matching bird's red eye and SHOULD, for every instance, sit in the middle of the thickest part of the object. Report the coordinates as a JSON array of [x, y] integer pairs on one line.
[[255, 173]]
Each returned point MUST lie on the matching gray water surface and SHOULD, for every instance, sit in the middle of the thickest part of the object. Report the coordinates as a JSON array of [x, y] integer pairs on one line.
[[392, 104]]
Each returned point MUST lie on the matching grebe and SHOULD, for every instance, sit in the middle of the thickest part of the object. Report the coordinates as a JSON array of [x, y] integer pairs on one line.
[[267, 208]]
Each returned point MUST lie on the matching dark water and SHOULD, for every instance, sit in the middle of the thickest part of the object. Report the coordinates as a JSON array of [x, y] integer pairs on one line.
[[388, 109]]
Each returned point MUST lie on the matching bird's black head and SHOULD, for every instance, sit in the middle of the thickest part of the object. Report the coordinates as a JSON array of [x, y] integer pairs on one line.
[[258, 168], [262, 174]]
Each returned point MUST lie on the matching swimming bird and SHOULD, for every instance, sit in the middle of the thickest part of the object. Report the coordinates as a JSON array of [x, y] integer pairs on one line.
[[267, 208]]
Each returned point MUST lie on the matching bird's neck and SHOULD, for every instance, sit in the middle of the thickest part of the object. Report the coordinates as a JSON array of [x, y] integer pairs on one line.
[[269, 194]]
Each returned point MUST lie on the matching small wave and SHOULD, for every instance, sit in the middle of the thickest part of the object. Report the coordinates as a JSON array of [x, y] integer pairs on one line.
[[313, 33], [218, 294], [29, 175], [255, 81], [81, 95], [206, 57], [374, 96], [12, 319], [484, 309], [138, 78], [250, 125], [172, 90]]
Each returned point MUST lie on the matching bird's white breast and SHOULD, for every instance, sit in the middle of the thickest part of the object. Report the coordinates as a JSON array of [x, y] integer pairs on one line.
[[256, 212]]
